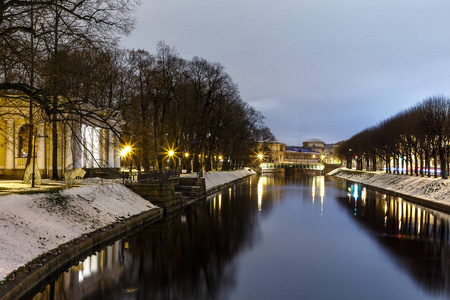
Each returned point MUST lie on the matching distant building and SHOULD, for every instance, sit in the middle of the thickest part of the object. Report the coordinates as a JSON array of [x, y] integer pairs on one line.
[[313, 150], [272, 151], [315, 145], [301, 155], [327, 151], [330, 154]]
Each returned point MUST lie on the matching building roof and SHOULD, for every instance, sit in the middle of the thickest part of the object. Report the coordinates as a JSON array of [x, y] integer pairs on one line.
[[313, 140], [300, 150]]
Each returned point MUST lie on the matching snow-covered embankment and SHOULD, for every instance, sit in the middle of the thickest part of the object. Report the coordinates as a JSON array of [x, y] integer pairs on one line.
[[217, 179], [33, 224], [434, 191]]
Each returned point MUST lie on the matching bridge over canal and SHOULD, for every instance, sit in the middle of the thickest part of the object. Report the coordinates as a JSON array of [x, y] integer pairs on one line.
[[295, 167]]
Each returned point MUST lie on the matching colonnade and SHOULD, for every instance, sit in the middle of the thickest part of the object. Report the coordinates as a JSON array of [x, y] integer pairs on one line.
[[79, 146]]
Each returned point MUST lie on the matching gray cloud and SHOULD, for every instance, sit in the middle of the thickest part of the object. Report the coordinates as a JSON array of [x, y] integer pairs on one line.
[[316, 68]]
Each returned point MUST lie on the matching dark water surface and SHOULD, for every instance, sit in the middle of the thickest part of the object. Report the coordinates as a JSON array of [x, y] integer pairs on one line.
[[276, 237]]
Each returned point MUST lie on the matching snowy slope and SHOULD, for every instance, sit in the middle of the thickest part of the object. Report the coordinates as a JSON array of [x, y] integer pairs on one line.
[[33, 224], [431, 189]]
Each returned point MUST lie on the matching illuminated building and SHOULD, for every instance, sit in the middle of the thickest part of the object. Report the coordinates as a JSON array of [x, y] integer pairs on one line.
[[79, 145]]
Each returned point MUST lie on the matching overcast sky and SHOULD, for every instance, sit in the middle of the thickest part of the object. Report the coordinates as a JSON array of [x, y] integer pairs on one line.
[[314, 68]]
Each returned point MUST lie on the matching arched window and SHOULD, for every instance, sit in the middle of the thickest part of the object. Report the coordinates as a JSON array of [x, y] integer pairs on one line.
[[24, 134]]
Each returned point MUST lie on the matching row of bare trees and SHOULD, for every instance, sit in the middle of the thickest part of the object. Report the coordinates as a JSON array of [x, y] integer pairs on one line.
[[414, 141], [192, 106], [50, 50], [63, 59]]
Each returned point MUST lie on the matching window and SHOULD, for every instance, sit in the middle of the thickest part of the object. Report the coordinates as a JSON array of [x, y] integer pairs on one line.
[[24, 134]]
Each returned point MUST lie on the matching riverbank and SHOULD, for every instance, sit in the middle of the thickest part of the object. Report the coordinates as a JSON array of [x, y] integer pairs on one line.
[[430, 192], [34, 224]]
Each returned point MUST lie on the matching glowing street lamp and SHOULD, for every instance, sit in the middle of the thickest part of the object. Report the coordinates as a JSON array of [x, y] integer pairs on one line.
[[125, 152], [170, 154]]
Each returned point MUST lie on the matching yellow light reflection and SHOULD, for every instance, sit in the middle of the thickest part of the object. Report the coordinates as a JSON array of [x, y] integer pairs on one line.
[[419, 219], [94, 264], [220, 202], [313, 193], [322, 192], [260, 193], [87, 267]]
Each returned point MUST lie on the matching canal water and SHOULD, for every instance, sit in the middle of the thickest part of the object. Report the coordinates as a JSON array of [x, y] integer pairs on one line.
[[275, 237]]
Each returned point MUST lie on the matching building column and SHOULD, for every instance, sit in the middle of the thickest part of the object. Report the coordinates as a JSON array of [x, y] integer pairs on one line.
[[79, 137], [88, 138], [111, 149], [68, 158], [116, 153], [9, 155], [40, 152], [96, 149]]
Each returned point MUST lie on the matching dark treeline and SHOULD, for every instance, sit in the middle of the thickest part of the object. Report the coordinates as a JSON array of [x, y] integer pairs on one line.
[[414, 141], [191, 106], [63, 59]]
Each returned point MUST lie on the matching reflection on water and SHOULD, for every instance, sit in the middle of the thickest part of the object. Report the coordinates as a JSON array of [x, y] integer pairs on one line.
[[417, 237], [189, 255], [102, 268], [299, 228], [318, 182]]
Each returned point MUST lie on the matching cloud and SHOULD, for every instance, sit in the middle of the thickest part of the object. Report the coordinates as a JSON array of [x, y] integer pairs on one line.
[[341, 65]]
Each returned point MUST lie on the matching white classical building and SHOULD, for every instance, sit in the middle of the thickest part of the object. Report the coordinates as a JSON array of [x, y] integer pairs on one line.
[[79, 145]]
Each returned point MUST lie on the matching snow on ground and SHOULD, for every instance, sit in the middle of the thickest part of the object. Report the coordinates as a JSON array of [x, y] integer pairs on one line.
[[431, 189], [32, 224], [213, 179]]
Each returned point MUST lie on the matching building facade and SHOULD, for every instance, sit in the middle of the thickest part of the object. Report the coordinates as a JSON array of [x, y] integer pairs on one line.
[[301, 155], [79, 145], [272, 151], [312, 151]]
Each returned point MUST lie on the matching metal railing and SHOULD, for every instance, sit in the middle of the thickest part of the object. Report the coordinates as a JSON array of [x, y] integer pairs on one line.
[[149, 176]]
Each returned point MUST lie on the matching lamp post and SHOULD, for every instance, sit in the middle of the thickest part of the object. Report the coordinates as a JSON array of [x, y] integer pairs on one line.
[[170, 153], [188, 164], [124, 153]]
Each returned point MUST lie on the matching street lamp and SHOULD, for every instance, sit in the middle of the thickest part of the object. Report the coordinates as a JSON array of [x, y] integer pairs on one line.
[[125, 153], [220, 162], [170, 153], [187, 164]]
